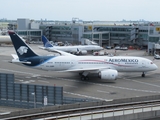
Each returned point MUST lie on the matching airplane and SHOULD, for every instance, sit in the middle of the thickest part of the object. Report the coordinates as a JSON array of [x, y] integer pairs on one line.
[[77, 49], [106, 67], [5, 39]]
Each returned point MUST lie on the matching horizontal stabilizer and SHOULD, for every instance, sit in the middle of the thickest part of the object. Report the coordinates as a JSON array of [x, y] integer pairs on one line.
[[15, 56], [16, 59]]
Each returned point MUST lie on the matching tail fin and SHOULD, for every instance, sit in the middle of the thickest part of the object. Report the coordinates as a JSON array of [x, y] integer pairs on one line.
[[22, 49], [46, 42]]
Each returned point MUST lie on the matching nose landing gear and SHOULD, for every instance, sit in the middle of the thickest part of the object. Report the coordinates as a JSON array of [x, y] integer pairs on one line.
[[143, 74]]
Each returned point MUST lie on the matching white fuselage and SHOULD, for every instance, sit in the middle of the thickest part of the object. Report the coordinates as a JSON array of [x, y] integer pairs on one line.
[[5, 39], [119, 63], [76, 48]]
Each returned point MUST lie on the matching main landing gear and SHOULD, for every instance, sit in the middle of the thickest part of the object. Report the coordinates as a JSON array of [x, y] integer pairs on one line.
[[143, 74], [84, 76]]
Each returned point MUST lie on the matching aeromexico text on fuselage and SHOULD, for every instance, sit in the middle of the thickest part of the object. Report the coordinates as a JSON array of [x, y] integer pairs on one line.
[[123, 60]]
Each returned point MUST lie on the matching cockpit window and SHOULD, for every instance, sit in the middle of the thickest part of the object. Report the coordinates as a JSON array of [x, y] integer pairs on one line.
[[151, 62]]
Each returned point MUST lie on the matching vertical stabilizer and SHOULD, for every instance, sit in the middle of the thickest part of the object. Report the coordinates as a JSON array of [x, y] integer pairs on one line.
[[46, 42], [22, 49]]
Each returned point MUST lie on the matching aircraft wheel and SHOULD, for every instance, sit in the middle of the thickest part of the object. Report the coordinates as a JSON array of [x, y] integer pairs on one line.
[[143, 75], [86, 78], [82, 77], [80, 74], [80, 53]]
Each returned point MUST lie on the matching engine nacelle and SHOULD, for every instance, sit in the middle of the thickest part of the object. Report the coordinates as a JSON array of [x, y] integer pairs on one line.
[[82, 52], [108, 74]]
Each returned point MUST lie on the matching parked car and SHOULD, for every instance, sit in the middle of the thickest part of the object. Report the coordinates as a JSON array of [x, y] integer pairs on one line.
[[121, 48], [124, 48], [108, 47], [156, 56], [100, 53], [117, 48]]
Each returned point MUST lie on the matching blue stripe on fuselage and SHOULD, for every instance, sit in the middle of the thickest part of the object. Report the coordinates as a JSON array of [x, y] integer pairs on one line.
[[36, 60]]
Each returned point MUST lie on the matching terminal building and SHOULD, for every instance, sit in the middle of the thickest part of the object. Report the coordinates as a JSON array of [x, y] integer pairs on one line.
[[138, 34]]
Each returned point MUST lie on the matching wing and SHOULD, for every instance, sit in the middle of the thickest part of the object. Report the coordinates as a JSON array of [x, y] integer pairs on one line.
[[57, 51], [63, 53], [86, 69], [40, 47]]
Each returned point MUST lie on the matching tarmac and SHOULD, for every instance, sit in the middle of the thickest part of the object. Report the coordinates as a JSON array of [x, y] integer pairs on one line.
[[128, 84]]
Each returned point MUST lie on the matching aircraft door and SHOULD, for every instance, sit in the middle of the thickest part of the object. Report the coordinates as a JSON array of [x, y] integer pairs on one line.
[[58, 65], [121, 66], [42, 66], [51, 65], [73, 62], [143, 63], [46, 65]]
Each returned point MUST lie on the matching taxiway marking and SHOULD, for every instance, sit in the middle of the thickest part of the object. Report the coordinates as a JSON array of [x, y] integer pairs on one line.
[[86, 96], [43, 81], [71, 86], [14, 71], [103, 91]]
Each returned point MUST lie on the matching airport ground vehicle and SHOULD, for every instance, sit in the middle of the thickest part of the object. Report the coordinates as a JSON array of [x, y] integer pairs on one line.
[[121, 48], [156, 56]]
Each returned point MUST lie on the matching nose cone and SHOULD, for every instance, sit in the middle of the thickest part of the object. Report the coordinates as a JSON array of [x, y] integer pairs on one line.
[[155, 67], [101, 48], [98, 48]]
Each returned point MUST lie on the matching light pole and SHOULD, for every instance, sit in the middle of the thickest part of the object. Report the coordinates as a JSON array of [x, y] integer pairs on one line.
[[34, 99], [92, 30]]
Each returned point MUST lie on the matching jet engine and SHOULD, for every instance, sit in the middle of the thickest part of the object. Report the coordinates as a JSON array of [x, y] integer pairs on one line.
[[82, 52], [108, 74]]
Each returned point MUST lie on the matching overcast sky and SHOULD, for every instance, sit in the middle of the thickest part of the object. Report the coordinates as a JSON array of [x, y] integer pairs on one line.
[[87, 10]]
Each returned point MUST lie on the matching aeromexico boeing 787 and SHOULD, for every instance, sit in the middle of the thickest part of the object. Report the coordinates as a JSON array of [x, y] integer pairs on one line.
[[76, 49], [106, 67]]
